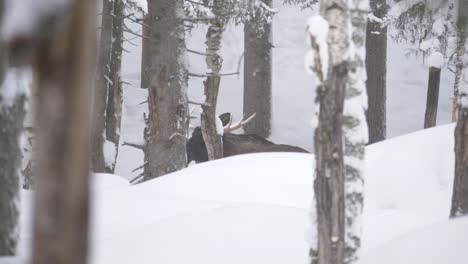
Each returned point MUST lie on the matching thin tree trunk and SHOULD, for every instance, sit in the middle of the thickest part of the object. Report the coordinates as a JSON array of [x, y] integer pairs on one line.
[[165, 149], [213, 140], [460, 53], [11, 125], [145, 53], [64, 68], [258, 74], [102, 86], [329, 175], [376, 65], [355, 131], [114, 95], [432, 102], [460, 186]]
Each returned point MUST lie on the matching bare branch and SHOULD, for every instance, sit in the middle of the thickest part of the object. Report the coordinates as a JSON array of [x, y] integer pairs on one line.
[[135, 145]]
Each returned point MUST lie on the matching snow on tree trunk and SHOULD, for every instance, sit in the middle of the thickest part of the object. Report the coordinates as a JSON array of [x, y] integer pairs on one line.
[[258, 73], [329, 178], [102, 86], [167, 125], [355, 129], [214, 62], [432, 102], [11, 125], [63, 66], [114, 95], [460, 187], [459, 55], [376, 65], [145, 55]]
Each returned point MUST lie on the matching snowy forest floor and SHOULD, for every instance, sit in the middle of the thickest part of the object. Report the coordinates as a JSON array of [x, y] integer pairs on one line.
[[256, 209]]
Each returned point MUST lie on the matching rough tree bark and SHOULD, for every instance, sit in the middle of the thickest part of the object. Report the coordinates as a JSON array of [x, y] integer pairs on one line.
[[63, 64], [145, 53], [114, 94], [355, 130], [460, 187], [214, 62], [430, 118], [11, 124], [165, 148], [376, 65], [102, 86], [258, 74], [459, 55], [329, 174]]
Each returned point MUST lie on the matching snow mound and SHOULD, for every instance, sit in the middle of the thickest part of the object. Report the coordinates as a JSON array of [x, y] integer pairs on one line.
[[255, 208], [439, 244]]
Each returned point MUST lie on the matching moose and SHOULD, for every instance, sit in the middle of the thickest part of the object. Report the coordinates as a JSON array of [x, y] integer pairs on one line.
[[234, 144]]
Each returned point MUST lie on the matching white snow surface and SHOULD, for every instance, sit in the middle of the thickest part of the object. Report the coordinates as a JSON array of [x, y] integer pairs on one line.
[[436, 60], [254, 208], [317, 28], [109, 153]]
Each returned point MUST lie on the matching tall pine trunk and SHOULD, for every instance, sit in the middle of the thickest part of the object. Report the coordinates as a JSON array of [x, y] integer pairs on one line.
[[258, 74], [64, 68], [355, 130], [11, 124], [167, 126], [114, 95], [432, 102], [102, 86], [460, 187], [376, 65], [213, 140], [329, 174]]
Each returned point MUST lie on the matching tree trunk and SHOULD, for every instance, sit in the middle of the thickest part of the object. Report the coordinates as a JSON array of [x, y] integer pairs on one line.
[[432, 102], [376, 66], [460, 185], [165, 149], [213, 140], [258, 74], [459, 55], [114, 95], [329, 175], [355, 131], [102, 86], [11, 125], [145, 53], [64, 67]]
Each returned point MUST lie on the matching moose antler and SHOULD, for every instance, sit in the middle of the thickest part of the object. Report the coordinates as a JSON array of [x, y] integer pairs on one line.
[[230, 128]]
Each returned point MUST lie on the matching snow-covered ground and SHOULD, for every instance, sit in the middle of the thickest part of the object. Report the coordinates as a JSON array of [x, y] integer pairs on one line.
[[255, 209]]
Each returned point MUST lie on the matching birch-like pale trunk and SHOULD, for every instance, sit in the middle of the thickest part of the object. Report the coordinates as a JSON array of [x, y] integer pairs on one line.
[[355, 129], [11, 125], [102, 86], [329, 174], [214, 62], [115, 93], [167, 125], [459, 66]]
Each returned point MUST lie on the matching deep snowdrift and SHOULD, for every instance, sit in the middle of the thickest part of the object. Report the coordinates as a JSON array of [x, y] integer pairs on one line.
[[255, 209]]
